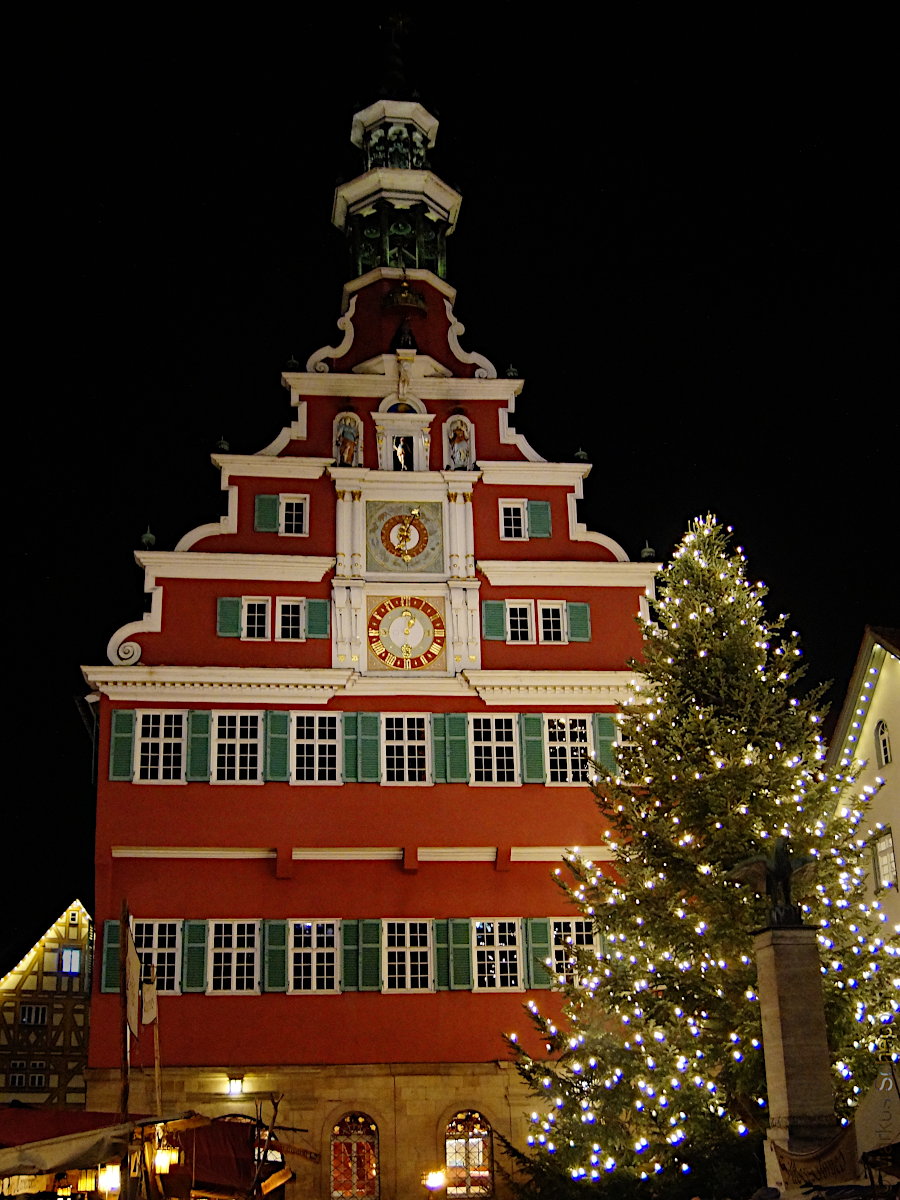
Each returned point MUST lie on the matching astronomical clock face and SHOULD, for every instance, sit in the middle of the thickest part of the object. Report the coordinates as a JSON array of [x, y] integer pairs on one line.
[[406, 633], [404, 537]]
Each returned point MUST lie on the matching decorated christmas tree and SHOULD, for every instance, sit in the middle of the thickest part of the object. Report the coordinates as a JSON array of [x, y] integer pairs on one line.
[[656, 1068]]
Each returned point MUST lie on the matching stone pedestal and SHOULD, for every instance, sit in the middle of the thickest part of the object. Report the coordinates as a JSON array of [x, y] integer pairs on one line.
[[798, 1071]]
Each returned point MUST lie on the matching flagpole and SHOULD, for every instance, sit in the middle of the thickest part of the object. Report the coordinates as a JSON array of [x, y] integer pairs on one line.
[[124, 1081]]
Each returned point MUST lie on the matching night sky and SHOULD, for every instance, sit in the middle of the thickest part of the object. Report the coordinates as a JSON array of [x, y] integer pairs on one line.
[[682, 238]]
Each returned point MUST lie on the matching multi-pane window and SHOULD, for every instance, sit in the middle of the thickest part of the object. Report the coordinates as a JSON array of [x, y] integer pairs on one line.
[[70, 960], [37, 1074], [16, 1075], [33, 1014], [519, 621], [567, 749], [405, 750], [255, 618], [290, 620], [882, 744], [493, 749], [158, 946], [497, 954], [159, 746], [294, 515], [233, 953], [551, 621], [885, 860], [568, 934], [236, 750], [406, 956], [469, 1155], [354, 1158], [513, 525], [316, 748], [314, 952]]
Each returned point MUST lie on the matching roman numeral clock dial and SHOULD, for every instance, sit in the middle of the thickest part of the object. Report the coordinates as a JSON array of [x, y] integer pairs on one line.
[[406, 633]]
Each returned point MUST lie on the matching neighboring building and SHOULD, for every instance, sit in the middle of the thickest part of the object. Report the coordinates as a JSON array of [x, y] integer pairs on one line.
[[44, 1010], [867, 725], [400, 600]]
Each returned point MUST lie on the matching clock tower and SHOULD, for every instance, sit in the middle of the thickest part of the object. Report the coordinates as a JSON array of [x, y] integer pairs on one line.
[[346, 747]]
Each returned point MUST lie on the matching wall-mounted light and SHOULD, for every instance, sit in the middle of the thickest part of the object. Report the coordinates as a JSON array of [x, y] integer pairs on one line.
[[235, 1085]]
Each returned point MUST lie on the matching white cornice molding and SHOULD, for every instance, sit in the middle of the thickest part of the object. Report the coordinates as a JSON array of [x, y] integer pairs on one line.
[[223, 852], [414, 273], [392, 683], [560, 853], [393, 110], [426, 387], [551, 687], [396, 183], [283, 568], [547, 573], [219, 685], [226, 524], [538, 474], [510, 437], [254, 466]]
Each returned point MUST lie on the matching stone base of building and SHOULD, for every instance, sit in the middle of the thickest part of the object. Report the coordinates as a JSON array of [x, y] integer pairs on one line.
[[410, 1104]]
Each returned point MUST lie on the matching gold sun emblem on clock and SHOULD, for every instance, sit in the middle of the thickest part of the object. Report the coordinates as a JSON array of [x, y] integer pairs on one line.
[[406, 633], [404, 536]]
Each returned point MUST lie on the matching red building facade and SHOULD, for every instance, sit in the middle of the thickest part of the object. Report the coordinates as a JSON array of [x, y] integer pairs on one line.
[[348, 744]]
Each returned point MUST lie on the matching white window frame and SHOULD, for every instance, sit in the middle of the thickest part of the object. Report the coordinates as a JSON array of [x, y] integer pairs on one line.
[[238, 928], [884, 859], [495, 928], [475, 768], [882, 744], [144, 740], [519, 605], [422, 776], [551, 763], [266, 602], [319, 739], [16, 1076], [563, 933], [286, 498], [215, 740], [70, 960], [563, 609], [151, 953], [281, 603], [520, 506], [317, 953], [37, 1073], [400, 945]]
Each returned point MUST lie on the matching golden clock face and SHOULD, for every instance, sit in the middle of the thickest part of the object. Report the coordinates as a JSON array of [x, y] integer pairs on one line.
[[406, 633]]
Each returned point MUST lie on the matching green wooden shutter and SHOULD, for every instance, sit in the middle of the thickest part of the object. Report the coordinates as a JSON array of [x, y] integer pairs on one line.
[[460, 953], [277, 764], [493, 620], [350, 954], [531, 740], [351, 723], [369, 955], [604, 741], [457, 748], [275, 958], [318, 618], [578, 620], [538, 949], [265, 514], [539, 519], [368, 747], [228, 616], [193, 956], [441, 940], [198, 745], [110, 971], [121, 744], [438, 748]]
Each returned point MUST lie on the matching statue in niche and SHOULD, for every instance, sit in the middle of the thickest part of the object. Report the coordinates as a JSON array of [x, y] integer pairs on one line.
[[403, 453], [460, 445], [346, 441]]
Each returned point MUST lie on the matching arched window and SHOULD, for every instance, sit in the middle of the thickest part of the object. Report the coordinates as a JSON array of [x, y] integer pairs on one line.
[[882, 744], [354, 1157], [470, 1159]]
